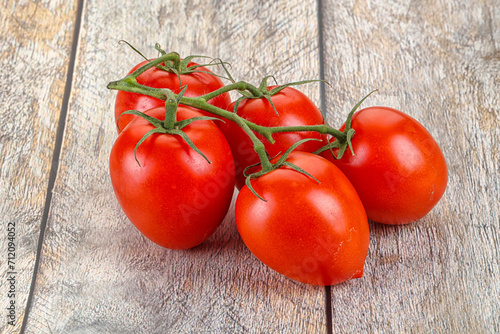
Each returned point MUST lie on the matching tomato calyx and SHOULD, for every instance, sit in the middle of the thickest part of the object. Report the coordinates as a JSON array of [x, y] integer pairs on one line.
[[282, 161], [182, 66], [343, 143], [248, 91], [264, 92], [178, 65], [170, 125]]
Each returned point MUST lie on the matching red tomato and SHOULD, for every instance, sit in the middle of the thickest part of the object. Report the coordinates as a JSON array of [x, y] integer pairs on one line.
[[294, 108], [398, 169], [198, 84], [313, 233], [175, 197]]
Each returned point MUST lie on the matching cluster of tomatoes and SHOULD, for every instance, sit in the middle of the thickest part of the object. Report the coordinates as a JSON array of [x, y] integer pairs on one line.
[[307, 217]]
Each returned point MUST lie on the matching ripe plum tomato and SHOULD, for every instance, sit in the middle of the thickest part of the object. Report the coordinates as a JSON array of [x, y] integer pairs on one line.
[[398, 169], [293, 107], [198, 84], [312, 233], [175, 197]]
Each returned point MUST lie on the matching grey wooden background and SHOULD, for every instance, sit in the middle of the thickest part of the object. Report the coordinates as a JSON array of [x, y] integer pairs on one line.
[[82, 268]]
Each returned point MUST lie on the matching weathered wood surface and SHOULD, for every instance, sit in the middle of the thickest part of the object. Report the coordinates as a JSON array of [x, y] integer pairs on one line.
[[35, 44], [436, 60], [97, 273]]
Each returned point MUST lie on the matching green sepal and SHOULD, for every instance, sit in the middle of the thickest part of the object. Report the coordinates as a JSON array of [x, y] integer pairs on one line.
[[188, 141], [133, 48], [159, 128], [181, 93], [146, 136], [176, 72], [263, 84], [185, 61], [329, 146], [246, 95], [213, 62], [281, 162], [349, 132], [156, 122], [269, 93], [181, 67], [229, 76], [285, 155], [181, 124], [268, 98], [341, 146], [249, 185], [265, 92], [192, 69], [300, 170], [342, 149], [278, 89], [237, 104], [248, 167], [349, 118]]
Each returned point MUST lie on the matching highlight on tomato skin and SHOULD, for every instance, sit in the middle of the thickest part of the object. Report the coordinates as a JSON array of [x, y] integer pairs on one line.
[[397, 169], [314, 233]]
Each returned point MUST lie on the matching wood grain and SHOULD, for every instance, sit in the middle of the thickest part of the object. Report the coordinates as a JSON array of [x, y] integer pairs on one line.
[[436, 60], [35, 44], [439, 62], [97, 273]]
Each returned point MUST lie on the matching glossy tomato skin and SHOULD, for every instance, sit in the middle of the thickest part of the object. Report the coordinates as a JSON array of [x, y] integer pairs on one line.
[[312, 233], [398, 168], [294, 108], [175, 197], [198, 84]]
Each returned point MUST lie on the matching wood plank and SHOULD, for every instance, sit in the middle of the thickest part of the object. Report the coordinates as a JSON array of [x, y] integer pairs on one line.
[[97, 273], [35, 44], [439, 62]]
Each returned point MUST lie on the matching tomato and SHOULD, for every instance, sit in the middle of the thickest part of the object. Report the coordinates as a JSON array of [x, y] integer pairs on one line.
[[398, 169], [313, 233], [174, 197], [293, 107], [197, 83]]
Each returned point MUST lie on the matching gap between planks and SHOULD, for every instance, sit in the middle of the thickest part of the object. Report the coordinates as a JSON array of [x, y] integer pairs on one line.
[[55, 158]]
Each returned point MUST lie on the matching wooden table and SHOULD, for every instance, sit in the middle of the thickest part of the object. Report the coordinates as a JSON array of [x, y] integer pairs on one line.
[[81, 267]]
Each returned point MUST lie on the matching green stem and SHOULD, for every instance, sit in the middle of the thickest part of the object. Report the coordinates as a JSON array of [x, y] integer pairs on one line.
[[130, 84], [171, 111], [200, 103], [320, 128], [241, 86], [173, 56]]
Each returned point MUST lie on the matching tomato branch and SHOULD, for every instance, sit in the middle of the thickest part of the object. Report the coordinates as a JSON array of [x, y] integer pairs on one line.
[[239, 86], [320, 128], [130, 84], [247, 126]]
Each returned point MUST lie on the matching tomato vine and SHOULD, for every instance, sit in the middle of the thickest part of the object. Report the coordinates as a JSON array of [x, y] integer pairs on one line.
[[248, 91], [305, 199]]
